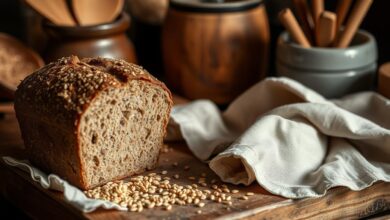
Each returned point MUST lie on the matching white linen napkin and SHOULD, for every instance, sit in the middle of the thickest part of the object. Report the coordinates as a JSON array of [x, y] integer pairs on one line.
[[289, 139], [72, 195]]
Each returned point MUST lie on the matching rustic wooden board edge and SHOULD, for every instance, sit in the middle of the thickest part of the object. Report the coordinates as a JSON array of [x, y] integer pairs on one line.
[[377, 201], [51, 203]]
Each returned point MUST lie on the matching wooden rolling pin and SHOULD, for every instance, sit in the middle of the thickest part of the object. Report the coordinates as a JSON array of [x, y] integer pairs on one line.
[[384, 80]]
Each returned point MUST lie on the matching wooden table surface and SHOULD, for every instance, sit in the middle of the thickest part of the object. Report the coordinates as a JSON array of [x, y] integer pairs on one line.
[[36, 202]]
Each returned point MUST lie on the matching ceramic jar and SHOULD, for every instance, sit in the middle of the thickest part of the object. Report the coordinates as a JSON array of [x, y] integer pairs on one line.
[[332, 72], [215, 50], [105, 40]]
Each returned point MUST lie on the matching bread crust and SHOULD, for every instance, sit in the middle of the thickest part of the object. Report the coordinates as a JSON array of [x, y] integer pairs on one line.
[[50, 102]]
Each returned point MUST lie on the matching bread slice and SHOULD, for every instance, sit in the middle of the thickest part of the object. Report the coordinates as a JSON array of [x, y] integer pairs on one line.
[[93, 120]]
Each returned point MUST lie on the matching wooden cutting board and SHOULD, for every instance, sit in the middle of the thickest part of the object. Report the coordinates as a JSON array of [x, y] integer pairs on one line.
[[37, 202]]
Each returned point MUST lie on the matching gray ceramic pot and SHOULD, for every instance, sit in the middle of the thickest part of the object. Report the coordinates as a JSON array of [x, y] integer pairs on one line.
[[331, 72]]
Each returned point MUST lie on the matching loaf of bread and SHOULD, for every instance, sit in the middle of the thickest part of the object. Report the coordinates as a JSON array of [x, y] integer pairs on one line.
[[93, 120]]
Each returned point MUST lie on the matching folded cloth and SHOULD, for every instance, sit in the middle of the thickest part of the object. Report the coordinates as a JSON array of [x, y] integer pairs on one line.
[[290, 139], [72, 195]]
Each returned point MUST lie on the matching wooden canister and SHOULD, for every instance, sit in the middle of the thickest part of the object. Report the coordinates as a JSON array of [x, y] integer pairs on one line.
[[215, 50]]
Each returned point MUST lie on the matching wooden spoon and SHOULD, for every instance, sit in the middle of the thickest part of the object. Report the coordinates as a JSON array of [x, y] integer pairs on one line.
[[288, 20], [342, 11], [358, 12], [326, 29], [93, 12], [55, 10]]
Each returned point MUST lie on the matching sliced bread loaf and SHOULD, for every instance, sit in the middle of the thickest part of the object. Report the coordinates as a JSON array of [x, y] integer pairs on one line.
[[92, 120]]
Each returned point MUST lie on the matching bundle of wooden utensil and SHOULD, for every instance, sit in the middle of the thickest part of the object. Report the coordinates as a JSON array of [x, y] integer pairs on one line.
[[322, 28], [78, 12]]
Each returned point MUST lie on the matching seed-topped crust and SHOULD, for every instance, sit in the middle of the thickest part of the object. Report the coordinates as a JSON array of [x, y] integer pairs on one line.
[[66, 87]]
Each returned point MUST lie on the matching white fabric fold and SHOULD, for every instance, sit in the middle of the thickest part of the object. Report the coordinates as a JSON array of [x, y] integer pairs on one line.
[[72, 194], [291, 140]]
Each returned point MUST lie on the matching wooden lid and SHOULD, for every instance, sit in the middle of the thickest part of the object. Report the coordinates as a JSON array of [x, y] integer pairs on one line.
[[384, 80], [214, 5]]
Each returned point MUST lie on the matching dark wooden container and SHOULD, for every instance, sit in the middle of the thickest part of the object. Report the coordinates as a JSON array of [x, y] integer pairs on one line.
[[215, 50], [106, 40]]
